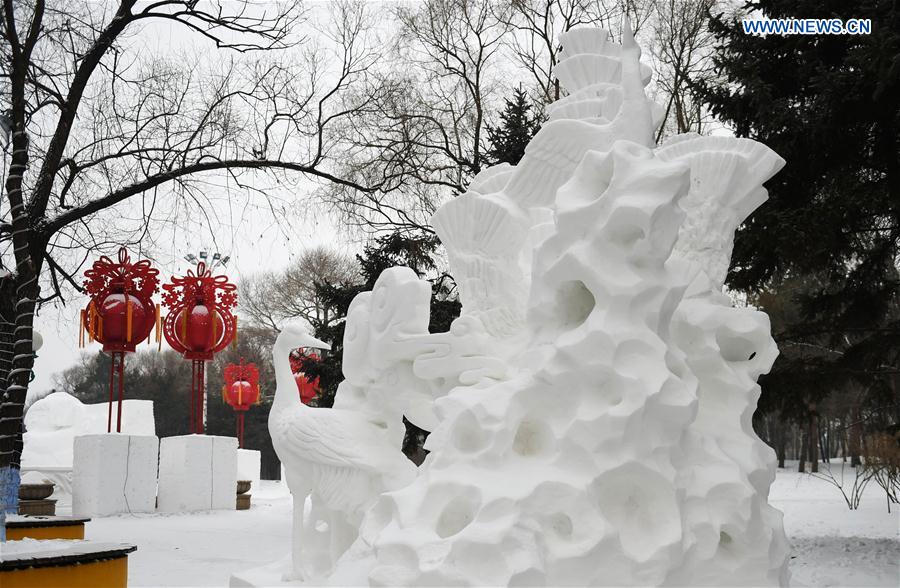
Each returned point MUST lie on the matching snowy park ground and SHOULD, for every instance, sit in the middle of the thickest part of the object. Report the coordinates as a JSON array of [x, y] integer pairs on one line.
[[833, 546]]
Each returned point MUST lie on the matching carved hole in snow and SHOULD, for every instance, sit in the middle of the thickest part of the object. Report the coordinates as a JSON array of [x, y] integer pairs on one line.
[[626, 235], [640, 504], [561, 524], [455, 517], [574, 303], [531, 438], [724, 539], [468, 436], [734, 347]]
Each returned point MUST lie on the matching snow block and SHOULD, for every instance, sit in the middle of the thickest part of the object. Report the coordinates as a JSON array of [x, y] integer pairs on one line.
[[114, 474], [224, 472], [197, 472], [249, 466]]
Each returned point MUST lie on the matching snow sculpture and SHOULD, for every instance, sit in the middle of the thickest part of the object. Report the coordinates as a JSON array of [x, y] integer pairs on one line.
[[592, 405], [341, 459], [53, 422]]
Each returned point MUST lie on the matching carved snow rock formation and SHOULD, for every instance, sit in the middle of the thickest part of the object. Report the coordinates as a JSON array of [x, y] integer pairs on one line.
[[592, 405]]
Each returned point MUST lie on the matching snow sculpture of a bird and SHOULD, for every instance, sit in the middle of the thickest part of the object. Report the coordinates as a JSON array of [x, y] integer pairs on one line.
[[341, 459]]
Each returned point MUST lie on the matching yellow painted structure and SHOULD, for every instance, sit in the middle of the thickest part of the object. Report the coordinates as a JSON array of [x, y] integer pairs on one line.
[[108, 573], [69, 531]]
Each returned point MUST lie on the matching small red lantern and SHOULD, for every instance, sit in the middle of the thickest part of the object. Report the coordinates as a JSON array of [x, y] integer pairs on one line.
[[120, 315], [308, 387], [199, 324], [241, 391]]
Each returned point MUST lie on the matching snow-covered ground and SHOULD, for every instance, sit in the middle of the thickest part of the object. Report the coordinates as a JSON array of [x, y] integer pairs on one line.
[[833, 546]]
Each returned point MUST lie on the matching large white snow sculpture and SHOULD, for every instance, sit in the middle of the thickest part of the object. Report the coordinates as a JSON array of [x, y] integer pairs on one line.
[[596, 427]]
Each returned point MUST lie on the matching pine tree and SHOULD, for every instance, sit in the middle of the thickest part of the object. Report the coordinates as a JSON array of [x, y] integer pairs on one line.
[[827, 242], [509, 139]]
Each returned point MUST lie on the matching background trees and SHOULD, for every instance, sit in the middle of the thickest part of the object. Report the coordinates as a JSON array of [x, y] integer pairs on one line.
[[93, 122], [821, 256]]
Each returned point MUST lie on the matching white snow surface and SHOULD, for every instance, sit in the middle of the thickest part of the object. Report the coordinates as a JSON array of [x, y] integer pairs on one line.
[[832, 546], [53, 422]]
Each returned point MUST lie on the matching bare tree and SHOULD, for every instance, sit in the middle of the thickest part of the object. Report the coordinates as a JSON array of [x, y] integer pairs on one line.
[[271, 298], [430, 126], [538, 24], [682, 46], [102, 140]]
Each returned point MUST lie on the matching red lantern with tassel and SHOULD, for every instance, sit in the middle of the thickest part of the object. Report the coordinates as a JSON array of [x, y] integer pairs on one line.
[[120, 315], [241, 391], [308, 387], [199, 324]]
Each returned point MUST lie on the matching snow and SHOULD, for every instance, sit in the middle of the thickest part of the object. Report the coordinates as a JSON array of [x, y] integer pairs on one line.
[[53, 422], [16, 549], [832, 546], [114, 473], [197, 472]]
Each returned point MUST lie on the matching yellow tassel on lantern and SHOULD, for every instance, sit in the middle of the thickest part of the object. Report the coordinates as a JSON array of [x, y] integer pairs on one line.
[[213, 316], [129, 311], [92, 322], [81, 329], [156, 322], [184, 319]]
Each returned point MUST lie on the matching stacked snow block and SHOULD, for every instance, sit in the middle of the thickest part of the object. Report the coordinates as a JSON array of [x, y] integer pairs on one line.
[[114, 473], [197, 472], [249, 463]]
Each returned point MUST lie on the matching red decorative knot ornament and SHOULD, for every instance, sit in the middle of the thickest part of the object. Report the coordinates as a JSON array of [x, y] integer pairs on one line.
[[120, 315], [241, 391], [308, 387], [199, 324]]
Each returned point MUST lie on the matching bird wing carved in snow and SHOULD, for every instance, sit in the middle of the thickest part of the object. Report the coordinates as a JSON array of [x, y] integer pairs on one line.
[[484, 237], [343, 438], [726, 187]]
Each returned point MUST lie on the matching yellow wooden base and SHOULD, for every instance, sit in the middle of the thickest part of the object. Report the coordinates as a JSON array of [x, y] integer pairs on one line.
[[75, 531], [111, 573]]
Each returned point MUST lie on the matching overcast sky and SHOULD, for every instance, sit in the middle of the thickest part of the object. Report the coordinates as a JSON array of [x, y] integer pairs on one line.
[[246, 230]]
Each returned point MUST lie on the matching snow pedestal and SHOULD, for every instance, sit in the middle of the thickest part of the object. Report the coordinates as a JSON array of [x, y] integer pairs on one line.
[[114, 473], [249, 464], [197, 472]]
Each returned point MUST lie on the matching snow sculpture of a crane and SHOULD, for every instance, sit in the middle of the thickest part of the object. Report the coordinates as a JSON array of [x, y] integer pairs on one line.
[[340, 459]]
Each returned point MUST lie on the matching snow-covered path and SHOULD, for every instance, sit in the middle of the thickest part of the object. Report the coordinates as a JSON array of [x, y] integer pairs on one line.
[[832, 545]]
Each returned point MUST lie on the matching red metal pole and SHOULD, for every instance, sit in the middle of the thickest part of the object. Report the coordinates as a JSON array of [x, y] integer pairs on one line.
[[112, 371], [121, 390], [201, 372], [193, 395]]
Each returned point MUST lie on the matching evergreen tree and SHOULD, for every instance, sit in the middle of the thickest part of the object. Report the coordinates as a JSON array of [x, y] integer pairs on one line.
[[828, 240], [518, 125]]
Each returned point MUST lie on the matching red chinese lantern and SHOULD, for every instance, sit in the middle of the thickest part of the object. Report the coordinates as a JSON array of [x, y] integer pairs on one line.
[[241, 391], [120, 315], [199, 324], [308, 387]]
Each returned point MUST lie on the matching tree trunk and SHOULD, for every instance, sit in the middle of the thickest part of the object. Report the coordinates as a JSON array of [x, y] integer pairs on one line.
[[813, 439], [782, 443], [855, 433], [803, 444]]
